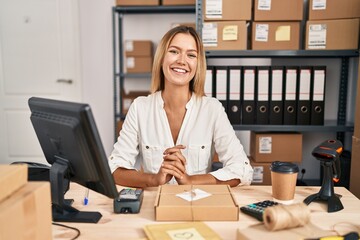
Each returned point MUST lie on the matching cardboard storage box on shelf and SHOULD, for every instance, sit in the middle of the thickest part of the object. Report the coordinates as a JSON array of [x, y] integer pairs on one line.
[[332, 34], [275, 36], [137, 2], [27, 213], [12, 178], [170, 207], [178, 2], [278, 10], [262, 173], [333, 9], [141, 64], [224, 35], [269, 147], [233, 10], [136, 48], [128, 98]]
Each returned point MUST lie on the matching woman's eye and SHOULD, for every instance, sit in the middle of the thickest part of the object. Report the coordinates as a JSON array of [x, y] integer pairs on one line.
[[192, 56], [173, 51]]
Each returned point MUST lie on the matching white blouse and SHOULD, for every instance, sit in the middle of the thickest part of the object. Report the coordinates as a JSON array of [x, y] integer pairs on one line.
[[205, 130]]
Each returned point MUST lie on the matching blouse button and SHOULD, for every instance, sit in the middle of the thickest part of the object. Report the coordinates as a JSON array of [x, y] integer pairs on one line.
[[246, 163], [147, 147], [202, 147]]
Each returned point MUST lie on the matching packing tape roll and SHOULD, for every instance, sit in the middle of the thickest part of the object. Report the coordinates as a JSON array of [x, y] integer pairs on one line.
[[286, 216]]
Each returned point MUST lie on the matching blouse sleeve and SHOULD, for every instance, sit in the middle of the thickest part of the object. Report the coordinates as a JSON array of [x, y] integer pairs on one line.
[[236, 164], [126, 149]]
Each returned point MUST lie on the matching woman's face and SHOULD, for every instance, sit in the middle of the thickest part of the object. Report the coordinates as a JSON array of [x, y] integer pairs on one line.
[[180, 61]]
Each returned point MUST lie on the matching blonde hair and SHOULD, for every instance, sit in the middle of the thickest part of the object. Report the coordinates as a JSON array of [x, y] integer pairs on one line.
[[158, 78]]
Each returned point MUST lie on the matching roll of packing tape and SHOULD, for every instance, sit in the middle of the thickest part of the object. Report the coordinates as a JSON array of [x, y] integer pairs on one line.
[[286, 216]]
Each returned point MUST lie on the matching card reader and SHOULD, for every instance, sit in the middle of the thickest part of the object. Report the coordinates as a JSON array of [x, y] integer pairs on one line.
[[129, 201]]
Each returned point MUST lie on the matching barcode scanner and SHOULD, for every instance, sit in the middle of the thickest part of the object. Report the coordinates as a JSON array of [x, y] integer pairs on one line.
[[328, 153]]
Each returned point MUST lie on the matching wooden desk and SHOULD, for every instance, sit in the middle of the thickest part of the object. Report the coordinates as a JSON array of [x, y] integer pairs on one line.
[[130, 226]]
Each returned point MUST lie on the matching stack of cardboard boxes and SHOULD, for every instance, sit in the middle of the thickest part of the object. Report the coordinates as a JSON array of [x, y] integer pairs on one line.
[[225, 24], [276, 25], [333, 24], [25, 207], [138, 56], [266, 148]]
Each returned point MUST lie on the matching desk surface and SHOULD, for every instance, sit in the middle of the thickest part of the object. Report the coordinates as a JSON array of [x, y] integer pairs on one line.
[[130, 226]]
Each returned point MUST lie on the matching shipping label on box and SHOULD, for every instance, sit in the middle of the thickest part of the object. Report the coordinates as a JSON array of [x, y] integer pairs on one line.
[[317, 36], [273, 10]]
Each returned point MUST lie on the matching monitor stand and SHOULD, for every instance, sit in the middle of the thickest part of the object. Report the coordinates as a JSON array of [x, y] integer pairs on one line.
[[62, 211]]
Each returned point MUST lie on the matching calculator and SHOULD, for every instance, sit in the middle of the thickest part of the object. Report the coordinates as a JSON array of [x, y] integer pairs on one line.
[[257, 209], [129, 200]]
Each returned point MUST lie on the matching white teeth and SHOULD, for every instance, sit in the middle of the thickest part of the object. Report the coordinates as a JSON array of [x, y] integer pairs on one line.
[[179, 70]]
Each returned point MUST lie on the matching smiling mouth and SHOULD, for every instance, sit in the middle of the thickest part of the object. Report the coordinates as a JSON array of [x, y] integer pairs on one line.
[[179, 70]]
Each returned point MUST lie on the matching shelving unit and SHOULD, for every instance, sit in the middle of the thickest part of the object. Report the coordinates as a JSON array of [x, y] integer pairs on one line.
[[118, 14]]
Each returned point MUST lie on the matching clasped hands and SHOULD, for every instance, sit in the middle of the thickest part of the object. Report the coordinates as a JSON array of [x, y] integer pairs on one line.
[[173, 166]]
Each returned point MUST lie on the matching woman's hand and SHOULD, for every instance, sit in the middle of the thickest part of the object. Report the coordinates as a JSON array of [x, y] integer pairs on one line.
[[174, 162]]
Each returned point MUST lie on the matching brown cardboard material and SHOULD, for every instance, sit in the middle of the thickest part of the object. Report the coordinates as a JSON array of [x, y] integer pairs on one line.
[[12, 178], [262, 173], [127, 99], [325, 34], [225, 35], [334, 9], [138, 64], [233, 10], [270, 147], [169, 207], [138, 48], [178, 2], [275, 36], [137, 2], [27, 213], [278, 10]]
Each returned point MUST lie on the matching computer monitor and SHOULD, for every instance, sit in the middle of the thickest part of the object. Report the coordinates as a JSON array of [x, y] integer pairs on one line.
[[72, 146]]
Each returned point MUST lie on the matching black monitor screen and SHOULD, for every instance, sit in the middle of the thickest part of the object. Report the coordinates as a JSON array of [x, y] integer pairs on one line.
[[71, 144]]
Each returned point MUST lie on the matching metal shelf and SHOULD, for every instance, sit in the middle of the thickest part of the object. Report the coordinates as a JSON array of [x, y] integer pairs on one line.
[[155, 9], [283, 53], [135, 75], [329, 126]]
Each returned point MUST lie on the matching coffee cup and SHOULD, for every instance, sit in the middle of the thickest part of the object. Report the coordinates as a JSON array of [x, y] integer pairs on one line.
[[283, 180]]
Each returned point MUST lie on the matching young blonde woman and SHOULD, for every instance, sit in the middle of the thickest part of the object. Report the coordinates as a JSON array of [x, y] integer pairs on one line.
[[173, 133]]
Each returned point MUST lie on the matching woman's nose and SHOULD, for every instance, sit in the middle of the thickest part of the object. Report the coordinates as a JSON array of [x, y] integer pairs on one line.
[[181, 58]]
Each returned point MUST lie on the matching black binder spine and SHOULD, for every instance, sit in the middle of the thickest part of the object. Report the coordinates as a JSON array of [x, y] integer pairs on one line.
[[234, 105], [290, 107], [318, 95], [262, 94], [221, 86], [303, 96], [248, 95], [276, 109]]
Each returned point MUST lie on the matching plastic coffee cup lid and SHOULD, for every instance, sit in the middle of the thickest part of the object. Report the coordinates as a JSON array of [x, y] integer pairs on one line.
[[284, 167]]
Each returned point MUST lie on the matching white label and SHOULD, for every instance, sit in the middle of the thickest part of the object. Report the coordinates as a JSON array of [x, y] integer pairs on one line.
[[258, 174], [208, 83], [263, 86], [317, 36], [130, 62], [249, 84], [213, 9], [277, 81], [318, 5], [319, 85], [235, 75], [262, 32], [290, 92], [304, 91], [221, 84], [129, 46], [209, 35], [265, 145], [264, 5]]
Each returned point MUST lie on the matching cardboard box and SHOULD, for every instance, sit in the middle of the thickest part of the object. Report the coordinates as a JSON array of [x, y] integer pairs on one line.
[[138, 48], [334, 9], [137, 2], [12, 178], [332, 34], [127, 99], [169, 207], [230, 10], [276, 36], [139, 64], [262, 173], [279, 10], [27, 213], [178, 2], [270, 147], [224, 35]]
